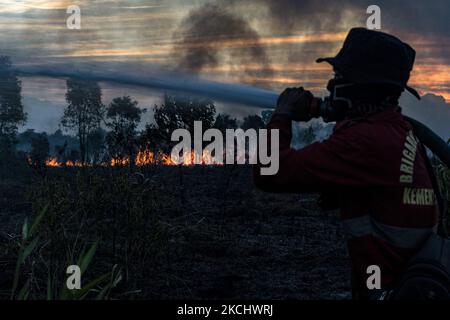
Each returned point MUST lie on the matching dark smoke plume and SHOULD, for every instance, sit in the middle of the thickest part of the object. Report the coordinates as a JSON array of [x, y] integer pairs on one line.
[[304, 15], [202, 32], [425, 17]]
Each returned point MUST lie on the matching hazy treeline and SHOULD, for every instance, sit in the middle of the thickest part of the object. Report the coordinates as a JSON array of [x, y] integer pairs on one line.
[[92, 132]]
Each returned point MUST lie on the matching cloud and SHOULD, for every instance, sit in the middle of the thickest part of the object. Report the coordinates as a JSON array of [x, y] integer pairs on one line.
[[422, 17], [270, 43], [229, 35], [431, 110]]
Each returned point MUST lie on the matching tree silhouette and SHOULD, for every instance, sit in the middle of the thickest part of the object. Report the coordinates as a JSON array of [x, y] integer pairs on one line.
[[40, 149], [123, 118], [84, 112], [224, 122], [11, 107], [180, 112], [253, 122]]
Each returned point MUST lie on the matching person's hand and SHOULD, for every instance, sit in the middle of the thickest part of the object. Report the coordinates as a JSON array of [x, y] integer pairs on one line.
[[295, 102]]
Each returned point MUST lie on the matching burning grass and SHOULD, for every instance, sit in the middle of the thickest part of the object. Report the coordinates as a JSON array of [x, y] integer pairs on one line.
[[143, 158]]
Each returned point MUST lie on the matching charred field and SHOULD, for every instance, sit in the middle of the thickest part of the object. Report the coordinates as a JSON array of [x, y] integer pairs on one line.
[[172, 232]]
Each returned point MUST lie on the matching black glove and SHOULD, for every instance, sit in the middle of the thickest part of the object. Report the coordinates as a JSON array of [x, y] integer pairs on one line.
[[295, 102]]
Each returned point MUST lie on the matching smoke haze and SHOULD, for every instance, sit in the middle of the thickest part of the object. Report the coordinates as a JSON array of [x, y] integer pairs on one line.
[[147, 47], [204, 28]]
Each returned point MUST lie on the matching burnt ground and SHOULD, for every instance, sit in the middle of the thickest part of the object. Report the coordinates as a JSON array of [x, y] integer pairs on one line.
[[224, 239]]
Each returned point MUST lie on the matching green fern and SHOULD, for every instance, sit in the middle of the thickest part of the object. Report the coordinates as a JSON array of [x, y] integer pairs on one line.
[[100, 286]]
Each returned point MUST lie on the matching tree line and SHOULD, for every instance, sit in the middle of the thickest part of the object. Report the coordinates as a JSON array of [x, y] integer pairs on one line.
[[108, 131]]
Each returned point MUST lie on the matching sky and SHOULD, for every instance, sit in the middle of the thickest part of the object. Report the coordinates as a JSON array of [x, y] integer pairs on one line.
[[270, 44]]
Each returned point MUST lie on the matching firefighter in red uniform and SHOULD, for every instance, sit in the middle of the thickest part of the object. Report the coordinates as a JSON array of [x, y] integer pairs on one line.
[[372, 163]]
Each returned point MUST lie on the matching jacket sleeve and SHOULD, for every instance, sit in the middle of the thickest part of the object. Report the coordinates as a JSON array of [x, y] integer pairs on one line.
[[338, 161]]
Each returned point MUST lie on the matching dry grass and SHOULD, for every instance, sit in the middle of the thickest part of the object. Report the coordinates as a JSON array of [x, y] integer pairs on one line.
[[200, 232]]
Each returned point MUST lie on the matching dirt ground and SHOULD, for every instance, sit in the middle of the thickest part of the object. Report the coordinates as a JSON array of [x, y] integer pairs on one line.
[[229, 239]]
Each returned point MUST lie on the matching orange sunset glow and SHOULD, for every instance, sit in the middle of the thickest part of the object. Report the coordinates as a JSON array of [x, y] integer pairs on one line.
[[242, 42]]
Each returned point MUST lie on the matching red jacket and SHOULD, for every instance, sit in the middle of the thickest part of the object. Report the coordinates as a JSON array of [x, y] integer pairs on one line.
[[376, 167]]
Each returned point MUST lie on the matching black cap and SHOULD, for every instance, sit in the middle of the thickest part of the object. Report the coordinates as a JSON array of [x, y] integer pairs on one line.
[[369, 56]]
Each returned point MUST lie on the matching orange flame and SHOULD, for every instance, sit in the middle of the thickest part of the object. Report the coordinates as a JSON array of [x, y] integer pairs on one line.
[[73, 163], [145, 158], [52, 162], [120, 162]]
